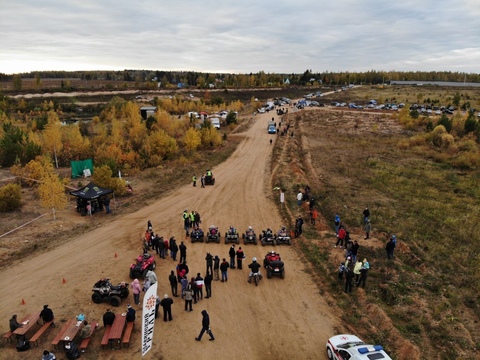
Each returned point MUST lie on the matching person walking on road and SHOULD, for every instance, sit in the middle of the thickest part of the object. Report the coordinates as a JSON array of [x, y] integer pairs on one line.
[[194, 179], [205, 327], [202, 180]]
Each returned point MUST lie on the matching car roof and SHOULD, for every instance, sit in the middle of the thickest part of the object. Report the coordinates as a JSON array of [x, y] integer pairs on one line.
[[357, 347]]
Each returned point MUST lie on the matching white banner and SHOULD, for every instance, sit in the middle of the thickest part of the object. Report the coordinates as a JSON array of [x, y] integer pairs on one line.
[[148, 318]]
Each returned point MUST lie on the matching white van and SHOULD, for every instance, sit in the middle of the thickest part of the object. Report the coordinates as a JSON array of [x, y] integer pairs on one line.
[[215, 122]]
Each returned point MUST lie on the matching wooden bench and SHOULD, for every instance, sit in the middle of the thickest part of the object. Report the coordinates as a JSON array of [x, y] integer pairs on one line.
[[8, 336], [34, 339], [105, 339], [127, 334], [86, 341]]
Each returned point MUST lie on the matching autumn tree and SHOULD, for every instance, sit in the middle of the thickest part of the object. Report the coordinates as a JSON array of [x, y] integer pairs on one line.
[[17, 82], [10, 197], [158, 147], [192, 140], [52, 193], [52, 136], [103, 177]]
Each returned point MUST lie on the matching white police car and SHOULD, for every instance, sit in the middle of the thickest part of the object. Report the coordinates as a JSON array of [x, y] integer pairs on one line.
[[350, 347]]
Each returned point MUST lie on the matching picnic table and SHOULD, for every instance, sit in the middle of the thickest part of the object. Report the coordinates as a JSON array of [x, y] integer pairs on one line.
[[67, 332], [27, 323], [116, 331]]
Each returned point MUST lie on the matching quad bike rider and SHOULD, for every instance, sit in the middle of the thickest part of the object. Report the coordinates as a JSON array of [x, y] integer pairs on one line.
[[282, 237], [142, 264], [209, 179], [213, 234], [197, 234], [268, 237], [232, 236], [104, 290], [274, 265], [254, 271], [249, 236]]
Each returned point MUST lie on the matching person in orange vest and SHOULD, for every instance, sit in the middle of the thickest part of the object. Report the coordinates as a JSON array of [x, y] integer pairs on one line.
[[313, 216]]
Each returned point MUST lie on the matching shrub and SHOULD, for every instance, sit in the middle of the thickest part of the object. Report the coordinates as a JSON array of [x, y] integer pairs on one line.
[[10, 197]]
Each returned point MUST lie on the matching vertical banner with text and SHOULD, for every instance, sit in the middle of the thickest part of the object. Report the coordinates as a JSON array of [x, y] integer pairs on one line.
[[148, 318]]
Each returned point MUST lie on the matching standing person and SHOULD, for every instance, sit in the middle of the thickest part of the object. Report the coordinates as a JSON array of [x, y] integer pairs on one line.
[[366, 215], [166, 304], [89, 208], [194, 179], [341, 270], [209, 260], [298, 226], [199, 283], [342, 233], [205, 327], [183, 252], [149, 225], [208, 284], [354, 250], [188, 298], [136, 290], [108, 318], [46, 314], [155, 244], [173, 283], [356, 270], [106, 202], [240, 255], [186, 222], [184, 283], [314, 216], [337, 224], [151, 277], [311, 204], [202, 180], [165, 248], [216, 267], [173, 248], [368, 228], [161, 247], [348, 278], [193, 285], [232, 253], [131, 313], [192, 219], [157, 305], [299, 197], [196, 219], [390, 247], [363, 273], [224, 269]]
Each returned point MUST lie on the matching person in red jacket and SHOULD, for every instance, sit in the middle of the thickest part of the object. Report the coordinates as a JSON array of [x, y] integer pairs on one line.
[[342, 233], [240, 256]]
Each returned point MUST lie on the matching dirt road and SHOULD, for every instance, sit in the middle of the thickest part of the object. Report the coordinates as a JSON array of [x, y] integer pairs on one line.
[[279, 319]]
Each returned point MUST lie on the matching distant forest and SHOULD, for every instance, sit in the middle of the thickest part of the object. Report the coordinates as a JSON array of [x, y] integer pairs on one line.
[[260, 79]]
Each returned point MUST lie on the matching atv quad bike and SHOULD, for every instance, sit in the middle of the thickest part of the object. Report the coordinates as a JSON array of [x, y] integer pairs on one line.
[[142, 264], [267, 238], [197, 235], [275, 268], [209, 179], [213, 236], [249, 238], [232, 237], [104, 290], [283, 239]]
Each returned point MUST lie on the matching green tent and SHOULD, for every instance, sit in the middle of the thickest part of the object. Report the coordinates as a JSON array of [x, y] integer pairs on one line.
[[80, 167]]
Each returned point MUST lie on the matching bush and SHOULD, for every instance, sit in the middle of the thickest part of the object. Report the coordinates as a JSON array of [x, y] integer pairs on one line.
[[10, 197]]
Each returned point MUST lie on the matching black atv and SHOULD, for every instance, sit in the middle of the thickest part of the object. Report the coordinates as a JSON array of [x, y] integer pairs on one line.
[[267, 238], [249, 239], [232, 238], [197, 236], [104, 290], [209, 179]]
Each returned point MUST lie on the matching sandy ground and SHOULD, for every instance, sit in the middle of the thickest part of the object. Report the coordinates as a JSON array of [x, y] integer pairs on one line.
[[279, 319]]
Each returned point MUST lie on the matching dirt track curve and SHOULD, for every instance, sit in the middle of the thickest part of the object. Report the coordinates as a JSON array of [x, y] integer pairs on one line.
[[279, 319]]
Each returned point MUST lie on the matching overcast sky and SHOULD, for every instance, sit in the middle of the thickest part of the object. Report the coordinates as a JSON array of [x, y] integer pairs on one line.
[[240, 36]]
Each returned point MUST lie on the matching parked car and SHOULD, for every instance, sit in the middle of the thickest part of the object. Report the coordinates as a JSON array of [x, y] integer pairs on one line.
[[345, 346]]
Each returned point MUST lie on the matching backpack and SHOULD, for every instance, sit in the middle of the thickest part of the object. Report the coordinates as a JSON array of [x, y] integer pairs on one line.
[[23, 344]]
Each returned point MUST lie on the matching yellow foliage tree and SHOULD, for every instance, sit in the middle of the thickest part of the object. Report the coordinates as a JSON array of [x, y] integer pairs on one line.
[[192, 140], [210, 137], [157, 147], [52, 136], [74, 146], [52, 193], [103, 177]]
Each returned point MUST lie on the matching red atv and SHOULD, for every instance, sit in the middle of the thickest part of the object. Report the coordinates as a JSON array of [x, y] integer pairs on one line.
[[143, 263]]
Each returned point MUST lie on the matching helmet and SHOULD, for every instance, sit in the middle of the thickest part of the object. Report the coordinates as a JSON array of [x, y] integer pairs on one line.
[[231, 227], [249, 228], [283, 227], [254, 259], [273, 252]]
